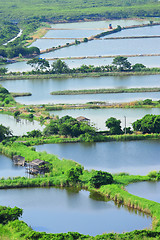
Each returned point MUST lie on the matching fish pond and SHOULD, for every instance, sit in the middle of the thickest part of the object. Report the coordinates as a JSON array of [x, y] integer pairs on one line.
[[43, 87], [133, 157], [61, 210]]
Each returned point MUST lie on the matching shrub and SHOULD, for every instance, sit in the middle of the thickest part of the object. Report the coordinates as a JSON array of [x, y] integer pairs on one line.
[[100, 178]]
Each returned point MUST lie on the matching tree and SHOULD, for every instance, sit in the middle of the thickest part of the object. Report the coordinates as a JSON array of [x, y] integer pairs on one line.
[[3, 70], [51, 128], [147, 101], [85, 39], [148, 124], [16, 113], [74, 173], [138, 67], [114, 125], [39, 64], [100, 178], [34, 133], [4, 132], [122, 63], [59, 66]]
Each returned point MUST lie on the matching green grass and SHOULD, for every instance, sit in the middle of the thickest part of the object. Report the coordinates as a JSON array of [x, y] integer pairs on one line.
[[75, 10], [107, 90]]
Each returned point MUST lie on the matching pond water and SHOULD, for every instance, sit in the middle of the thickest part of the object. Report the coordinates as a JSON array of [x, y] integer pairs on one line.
[[43, 44], [134, 157], [150, 61], [108, 48], [145, 31], [99, 116], [21, 127], [70, 99], [43, 87], [99, 24], [8, 169], [60, 210], [77, 30], [151, 190]]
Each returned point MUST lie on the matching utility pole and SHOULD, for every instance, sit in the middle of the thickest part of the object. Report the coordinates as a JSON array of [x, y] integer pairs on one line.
[[125, 125]]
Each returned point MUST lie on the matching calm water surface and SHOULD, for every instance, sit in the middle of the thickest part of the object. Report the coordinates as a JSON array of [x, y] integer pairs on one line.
[[144, 31], [151, 190], [43, 87], [108, 47], [21, 127], [110, 98], [43, 44], [8, 169], [134, 157], [99, 116], [60, 210], [99, 24]]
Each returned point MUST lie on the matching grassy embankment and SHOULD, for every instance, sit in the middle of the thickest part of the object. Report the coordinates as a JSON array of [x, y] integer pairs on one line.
[[20, 94], [20, 76], [58, 177], [105, 90]]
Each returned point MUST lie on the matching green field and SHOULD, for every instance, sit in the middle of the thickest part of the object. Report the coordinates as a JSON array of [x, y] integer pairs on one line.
[[53, 10]]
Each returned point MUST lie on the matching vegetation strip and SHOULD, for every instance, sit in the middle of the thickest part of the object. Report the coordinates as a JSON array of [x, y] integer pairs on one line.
[[20, 94], [107, 90]]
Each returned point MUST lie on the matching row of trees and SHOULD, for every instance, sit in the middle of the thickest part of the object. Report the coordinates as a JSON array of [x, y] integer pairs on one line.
[[119, 64], [66, 126], [69, 126], [17, 51], [148, 124]]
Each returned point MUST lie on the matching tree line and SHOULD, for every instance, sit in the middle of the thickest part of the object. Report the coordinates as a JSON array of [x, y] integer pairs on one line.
[[119, 63], [69, 126]]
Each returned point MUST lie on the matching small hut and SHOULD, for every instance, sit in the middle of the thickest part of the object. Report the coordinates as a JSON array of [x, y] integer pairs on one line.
[[37, 166], [83, 119], [19, 160]]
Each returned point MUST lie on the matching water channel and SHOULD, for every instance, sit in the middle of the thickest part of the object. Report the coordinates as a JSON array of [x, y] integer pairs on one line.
[[134, 157], [60, 210]]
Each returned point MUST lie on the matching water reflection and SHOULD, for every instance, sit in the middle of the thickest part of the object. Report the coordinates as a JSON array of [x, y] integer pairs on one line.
[[134, 157], [8, 169], [20, 127], [61, 211]]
